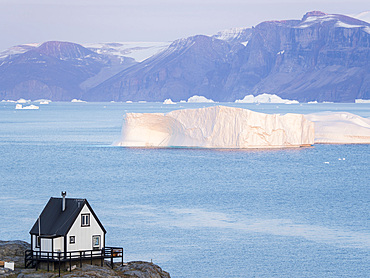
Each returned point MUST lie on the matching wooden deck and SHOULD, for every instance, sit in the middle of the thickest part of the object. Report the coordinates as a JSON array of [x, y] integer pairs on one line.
[[33, 259]]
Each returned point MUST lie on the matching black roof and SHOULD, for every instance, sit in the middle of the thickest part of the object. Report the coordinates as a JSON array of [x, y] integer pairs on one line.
[[55, 222]]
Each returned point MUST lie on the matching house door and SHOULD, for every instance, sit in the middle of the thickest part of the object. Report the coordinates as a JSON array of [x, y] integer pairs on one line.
[[96, 242]]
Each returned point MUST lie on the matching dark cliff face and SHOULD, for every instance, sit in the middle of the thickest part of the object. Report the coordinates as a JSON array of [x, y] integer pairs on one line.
[[323, 57]]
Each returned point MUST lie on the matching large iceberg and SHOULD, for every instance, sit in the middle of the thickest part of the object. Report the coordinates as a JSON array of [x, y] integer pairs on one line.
[[216, 127], [340, 128]]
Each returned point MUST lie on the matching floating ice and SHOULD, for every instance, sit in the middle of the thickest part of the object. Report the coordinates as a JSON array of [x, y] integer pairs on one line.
[[265, 98], [216, 127], [340, 128], [196, 98], [169, 101], [43, 101], [30, 107], [22, 100], [362, 100], [77, 100]]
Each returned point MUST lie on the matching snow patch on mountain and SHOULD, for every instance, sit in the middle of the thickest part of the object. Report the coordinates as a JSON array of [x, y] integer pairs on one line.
[[364, 16], [18, 49], [229, 34], [139, 51], [341, 21], [235, 35]]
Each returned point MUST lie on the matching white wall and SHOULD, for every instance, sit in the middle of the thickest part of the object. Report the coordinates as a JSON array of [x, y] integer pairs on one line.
[[46, 244], [59, 244], [83, 235]]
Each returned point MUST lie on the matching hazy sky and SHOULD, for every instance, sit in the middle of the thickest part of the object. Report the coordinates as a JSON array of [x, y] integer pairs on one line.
[[83, 21]]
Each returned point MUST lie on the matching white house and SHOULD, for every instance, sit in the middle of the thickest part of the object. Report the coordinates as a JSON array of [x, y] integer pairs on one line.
[[68, 230], [67, 225]]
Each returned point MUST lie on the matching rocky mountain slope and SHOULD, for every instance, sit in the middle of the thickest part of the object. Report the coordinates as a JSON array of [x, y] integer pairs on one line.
[[195, 65], [54, 70], [321, 57]]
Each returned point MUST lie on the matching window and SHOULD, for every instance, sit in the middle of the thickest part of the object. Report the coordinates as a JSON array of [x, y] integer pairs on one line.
[[96, 242], [85, 220], [72, 239], [38, 242]]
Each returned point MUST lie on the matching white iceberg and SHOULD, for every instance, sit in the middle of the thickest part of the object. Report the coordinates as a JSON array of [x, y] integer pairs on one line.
[[43, 101], [22, 100], [77, 100], [30, 107], [265, 98], [196, 98], [340, 128], [216, 127], [168, 101], [362, 100]]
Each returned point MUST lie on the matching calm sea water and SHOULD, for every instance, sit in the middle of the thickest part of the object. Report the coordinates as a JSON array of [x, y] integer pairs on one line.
[[195, 212]]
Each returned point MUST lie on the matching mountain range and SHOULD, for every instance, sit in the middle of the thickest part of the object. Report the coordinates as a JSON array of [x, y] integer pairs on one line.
[[322, 57]]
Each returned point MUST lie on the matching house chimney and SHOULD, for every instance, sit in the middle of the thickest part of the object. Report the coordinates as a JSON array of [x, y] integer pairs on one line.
[[64, 193]]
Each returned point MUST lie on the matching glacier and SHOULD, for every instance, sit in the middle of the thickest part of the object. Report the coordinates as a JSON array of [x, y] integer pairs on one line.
[[216, 127]]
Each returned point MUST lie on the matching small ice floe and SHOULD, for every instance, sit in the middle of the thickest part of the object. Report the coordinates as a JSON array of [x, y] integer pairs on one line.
[[168, 101], [77, 100], [362, 100], [22, 100], [43, 101], [30, 107], [326, 162], [197, 98], [129, 101], [265, 98]]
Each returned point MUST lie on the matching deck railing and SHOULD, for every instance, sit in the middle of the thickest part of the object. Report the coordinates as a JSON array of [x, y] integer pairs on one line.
[[34, 258]]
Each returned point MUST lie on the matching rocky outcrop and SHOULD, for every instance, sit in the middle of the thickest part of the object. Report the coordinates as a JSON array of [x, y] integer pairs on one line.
[[14, 251], [140, 269], [130, 270]]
